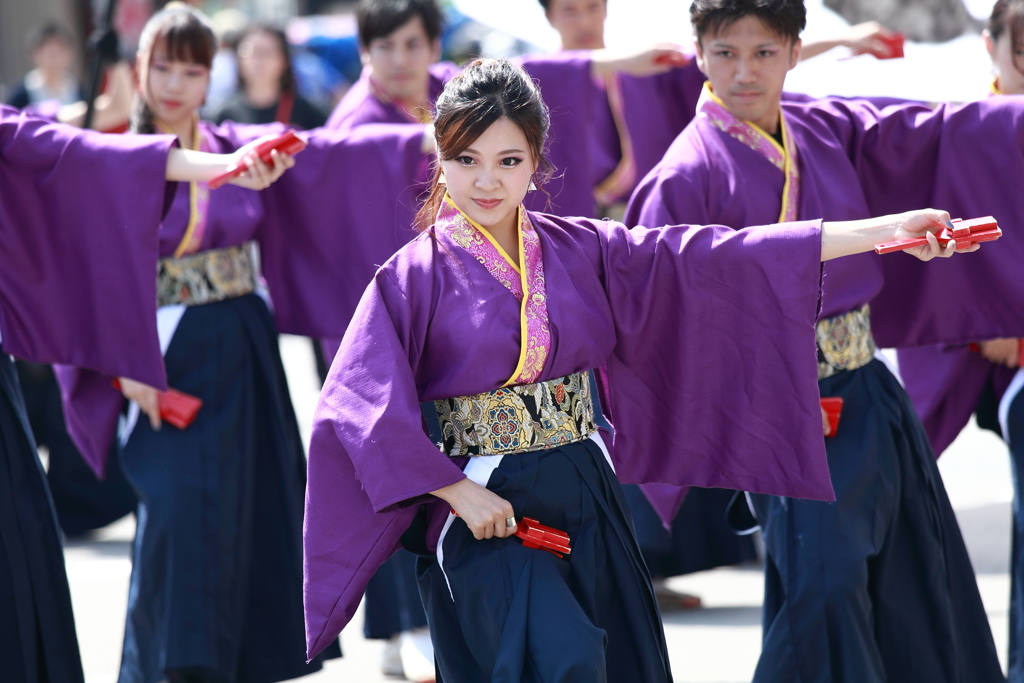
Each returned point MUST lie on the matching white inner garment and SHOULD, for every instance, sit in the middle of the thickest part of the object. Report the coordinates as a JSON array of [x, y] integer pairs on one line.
[[167, 319]]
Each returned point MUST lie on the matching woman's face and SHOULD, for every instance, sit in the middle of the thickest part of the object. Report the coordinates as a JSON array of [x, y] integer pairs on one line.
[[489, 179], [174, 90], [1007, 62], [260, 60]]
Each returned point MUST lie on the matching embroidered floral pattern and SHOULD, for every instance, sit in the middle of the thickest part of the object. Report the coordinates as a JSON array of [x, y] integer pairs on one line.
[[206, 277], [783, 158], [844, 342], [518, 419], [528, 285]]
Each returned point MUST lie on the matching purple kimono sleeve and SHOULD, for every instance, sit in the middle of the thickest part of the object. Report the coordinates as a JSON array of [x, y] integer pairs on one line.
[[944, 383], [79, 213], [728, 394], [968, 160], [334, 218], [367, 456]]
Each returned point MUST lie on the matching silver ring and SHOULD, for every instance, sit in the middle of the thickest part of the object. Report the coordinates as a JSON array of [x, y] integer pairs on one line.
[[510, 522]]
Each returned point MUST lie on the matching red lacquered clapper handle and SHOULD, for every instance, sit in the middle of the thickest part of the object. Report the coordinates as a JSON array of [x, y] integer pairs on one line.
[[964, 233], [289, 143], [176, 407], [671, 59], [893, 47], [533, 534], [833, 407]]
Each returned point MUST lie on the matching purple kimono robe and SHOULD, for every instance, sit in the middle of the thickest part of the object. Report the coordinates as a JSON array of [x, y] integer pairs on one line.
[[605, 138], [946, 382], [76, 255], [434, 323], [322, 230], [857, 160]]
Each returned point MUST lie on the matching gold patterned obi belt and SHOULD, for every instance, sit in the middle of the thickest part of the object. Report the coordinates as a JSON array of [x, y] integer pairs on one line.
[[518, 419], [206, 277], [844, 342]]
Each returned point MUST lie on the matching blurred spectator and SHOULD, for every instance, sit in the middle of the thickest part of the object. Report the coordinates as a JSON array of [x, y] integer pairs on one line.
[[266, 83], [52, 53], [229, 25]]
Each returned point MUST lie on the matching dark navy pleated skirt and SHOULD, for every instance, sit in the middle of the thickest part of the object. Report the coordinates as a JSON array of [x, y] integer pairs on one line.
[[82, 501], [393, 602], [37, 626], [216, 586], [504, 613], [876, 587], [699, 539]]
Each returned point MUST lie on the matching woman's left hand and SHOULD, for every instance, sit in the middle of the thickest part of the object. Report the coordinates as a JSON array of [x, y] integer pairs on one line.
[[258, 175], [925, 223], [648, 62]]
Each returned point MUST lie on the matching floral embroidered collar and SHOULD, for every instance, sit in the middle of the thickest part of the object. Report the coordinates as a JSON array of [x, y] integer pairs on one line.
[[783, 157], [526, 283]]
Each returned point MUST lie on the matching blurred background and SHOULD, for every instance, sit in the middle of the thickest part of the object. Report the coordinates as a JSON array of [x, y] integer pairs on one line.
[[945, 58]]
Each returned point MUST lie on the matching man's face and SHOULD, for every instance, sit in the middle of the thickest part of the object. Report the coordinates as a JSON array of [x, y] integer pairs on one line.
[[579, 22], [401, 60], [747, 65]]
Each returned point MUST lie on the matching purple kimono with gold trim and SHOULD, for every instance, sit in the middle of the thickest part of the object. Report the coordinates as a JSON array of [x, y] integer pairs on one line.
[[434, 323]]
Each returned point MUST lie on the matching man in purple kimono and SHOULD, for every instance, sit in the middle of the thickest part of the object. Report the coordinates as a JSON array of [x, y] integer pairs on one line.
[[877, 587]]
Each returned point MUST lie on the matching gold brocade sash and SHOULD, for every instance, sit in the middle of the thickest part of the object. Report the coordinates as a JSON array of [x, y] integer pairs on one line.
[[518, 419], [783, 157], [206, 277], [844, 342]]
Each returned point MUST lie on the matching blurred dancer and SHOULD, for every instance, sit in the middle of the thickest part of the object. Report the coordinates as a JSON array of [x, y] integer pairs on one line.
[[949, 383], [73, 203], [217, 571]]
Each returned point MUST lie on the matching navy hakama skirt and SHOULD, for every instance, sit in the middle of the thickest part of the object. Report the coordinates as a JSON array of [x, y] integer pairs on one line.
[[700, 539], [216, 585], [393, 602], [82, 501], [876, 587], [37, 626], [504, 613]]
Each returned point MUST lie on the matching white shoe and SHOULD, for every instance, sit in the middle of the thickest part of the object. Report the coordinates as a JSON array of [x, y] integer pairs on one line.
[[417, 653], [391, 660]]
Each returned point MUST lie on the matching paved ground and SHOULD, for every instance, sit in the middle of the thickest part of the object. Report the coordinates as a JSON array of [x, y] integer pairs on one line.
[[718, 644]]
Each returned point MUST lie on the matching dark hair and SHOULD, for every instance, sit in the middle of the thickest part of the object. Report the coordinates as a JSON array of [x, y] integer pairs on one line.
[[487, 90], [50, 30], [380, 18], [287, 76], [186, 35], [785, 18], [1007, 14], [546, 4]]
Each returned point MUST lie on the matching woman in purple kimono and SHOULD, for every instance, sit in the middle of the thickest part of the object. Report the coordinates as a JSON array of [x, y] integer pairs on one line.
[[79, 214], [494, 319], [217, 573]]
